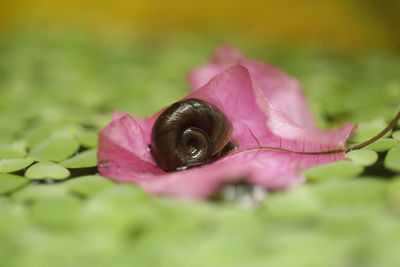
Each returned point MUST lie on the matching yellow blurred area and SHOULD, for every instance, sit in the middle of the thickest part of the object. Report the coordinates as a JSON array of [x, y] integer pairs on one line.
[[349, 24]]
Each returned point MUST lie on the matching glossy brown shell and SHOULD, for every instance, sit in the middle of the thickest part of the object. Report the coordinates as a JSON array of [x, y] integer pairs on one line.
[[189, 133]]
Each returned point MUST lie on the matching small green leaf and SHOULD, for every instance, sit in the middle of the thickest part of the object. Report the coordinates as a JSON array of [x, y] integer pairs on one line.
[[362, 157], [392, 160], [35, 192], [293, 204], [88, 185], [394, 191], [396, 135], [382, 145], [121, 194], [360, 191], [84, 159], [12, 165], [44, 131], [10, 182], [47, 170], [88, 139], [56, 212], [14, 150], [38, 134], [367, 130], [335, 170], [56, 148]]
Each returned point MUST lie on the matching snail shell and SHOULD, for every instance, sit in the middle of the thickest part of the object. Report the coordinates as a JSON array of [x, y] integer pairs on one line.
[[190, 133]]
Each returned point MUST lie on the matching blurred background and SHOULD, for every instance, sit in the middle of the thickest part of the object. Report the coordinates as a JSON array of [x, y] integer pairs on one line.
[[350, 24], [66, 65]]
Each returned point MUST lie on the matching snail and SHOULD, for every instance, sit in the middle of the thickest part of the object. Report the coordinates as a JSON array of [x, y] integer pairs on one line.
[[190, 133]]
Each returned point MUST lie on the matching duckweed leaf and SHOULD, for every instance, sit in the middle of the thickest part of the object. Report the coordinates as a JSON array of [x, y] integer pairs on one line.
[[10, 182], [57, 212], [12, 165], [36, 192], [84, 159], [367, 130], [396, 135], [360, 191], [298, 203], [13, 150], [55, 148], [335, 170], [121, 195], [38, 134], [394, 191], [363, 157], [88, 185], [392, 160], [88, 139], [47, 170]]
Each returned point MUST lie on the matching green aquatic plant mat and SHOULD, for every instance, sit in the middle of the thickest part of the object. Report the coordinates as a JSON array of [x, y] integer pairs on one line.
[[59, 90]]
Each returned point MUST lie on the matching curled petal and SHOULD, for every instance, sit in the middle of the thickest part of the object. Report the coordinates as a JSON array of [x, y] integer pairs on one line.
[[283, 91], [257, 122], [283, 100]]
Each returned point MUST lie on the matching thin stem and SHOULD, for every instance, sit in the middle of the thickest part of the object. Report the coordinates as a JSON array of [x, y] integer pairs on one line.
[[391, 125], [290, 151]]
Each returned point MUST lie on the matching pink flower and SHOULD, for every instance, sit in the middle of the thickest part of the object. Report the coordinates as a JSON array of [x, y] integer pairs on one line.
[[266, 108]]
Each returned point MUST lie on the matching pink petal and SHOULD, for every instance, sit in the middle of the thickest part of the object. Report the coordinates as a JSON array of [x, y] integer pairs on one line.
[[283, 92], [257, 122], [123, 150], [256, 167], [123, 153], [270, 169]]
